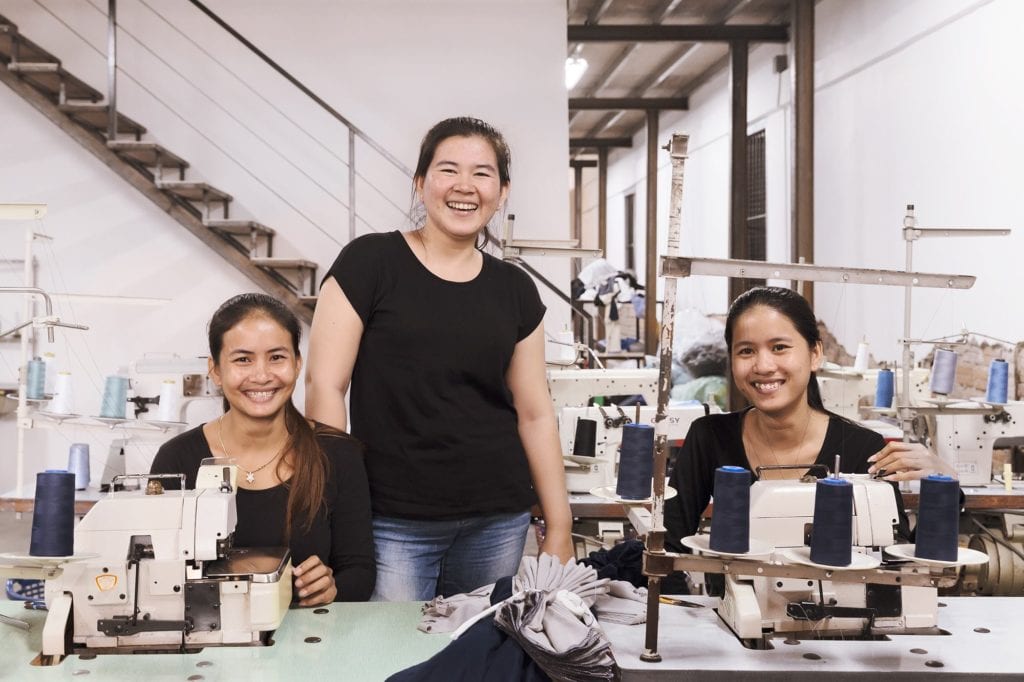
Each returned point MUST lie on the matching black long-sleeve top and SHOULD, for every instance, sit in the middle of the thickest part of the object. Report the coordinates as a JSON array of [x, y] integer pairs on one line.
[[341, 534], [717, 440]]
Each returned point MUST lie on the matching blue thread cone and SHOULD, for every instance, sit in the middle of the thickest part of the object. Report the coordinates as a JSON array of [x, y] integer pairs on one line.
[[998, 379], [78, 464], [53, 516], [115, 396], [730, 526], [36, 379], [884, 388], [636, 462], [938, 519], [943, 372], [832, 533]]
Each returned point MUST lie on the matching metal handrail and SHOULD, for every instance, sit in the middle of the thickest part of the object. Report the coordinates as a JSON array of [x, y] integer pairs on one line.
[[354, 131]]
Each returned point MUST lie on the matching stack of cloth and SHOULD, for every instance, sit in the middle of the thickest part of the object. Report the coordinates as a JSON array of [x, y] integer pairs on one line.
[[543, 627]]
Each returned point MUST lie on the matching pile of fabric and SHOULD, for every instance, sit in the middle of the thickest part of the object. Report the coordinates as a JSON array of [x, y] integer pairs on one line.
[[537, 625]]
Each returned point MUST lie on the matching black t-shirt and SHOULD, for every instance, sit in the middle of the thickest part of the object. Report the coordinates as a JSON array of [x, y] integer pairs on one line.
[[341, 535], [428, 396], [717, 440]]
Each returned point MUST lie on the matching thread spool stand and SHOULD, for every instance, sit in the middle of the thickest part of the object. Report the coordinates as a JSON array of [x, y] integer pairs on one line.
[[904, 410], [28, 213]]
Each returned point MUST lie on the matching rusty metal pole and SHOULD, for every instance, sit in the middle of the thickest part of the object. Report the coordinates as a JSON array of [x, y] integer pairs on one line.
[[651, 269], [677, 148]]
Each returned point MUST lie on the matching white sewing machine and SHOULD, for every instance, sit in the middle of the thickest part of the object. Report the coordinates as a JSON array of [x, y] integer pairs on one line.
[[575, 387], [583, 474], [157, 572], [966, 440], [781, 513], [844, 389], [186, 381]]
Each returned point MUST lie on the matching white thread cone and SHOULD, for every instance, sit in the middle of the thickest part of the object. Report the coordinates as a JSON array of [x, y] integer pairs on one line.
[[170, 401], [63, 399], [50, 380], [861, 362]]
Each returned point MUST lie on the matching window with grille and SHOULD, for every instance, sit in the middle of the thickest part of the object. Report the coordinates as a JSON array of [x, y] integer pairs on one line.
[[756, 208], [630, 232]]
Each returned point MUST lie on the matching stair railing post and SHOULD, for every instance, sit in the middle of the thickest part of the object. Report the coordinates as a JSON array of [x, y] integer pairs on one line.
[[111, 70], [351, 184]]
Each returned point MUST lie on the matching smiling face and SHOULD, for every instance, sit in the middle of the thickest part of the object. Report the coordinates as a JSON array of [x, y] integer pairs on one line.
[[461, 188], [771, 361], [257, 367]]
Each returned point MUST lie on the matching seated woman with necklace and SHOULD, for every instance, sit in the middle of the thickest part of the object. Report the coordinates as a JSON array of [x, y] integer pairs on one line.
[[774, 349], [304, 484]]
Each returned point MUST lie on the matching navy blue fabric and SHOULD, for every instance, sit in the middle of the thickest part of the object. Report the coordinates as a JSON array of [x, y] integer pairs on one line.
[[624, 561], [482, 654]]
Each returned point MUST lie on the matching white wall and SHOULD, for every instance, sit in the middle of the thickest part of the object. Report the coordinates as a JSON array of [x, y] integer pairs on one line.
[[393, 67], [916, 103]]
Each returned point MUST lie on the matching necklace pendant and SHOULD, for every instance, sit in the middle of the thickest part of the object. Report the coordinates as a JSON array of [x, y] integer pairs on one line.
[[250, 476]]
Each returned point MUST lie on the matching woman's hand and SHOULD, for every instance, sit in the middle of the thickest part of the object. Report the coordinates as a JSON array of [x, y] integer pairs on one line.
[[899, 461], [558, 544], [314, 582]]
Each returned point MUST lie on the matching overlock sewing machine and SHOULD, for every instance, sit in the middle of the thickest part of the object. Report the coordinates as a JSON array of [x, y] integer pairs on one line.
[[776, 589], [781, 514], [155, 570]]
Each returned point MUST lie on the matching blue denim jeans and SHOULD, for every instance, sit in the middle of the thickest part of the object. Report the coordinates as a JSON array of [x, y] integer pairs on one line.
[[418, 560]]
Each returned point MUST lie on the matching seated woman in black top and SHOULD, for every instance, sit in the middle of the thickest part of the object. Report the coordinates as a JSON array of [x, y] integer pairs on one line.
[[774, 349], [304, 484]]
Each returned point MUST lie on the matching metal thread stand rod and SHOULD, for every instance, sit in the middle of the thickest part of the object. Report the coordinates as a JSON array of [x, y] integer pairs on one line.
[[677, 148]]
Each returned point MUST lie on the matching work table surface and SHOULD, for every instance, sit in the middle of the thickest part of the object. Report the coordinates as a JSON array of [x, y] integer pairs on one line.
[[370, 641], [361, 642]]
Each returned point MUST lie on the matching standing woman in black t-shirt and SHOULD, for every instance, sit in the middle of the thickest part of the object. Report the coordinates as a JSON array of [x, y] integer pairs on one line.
[[304, 485], [443, 345]]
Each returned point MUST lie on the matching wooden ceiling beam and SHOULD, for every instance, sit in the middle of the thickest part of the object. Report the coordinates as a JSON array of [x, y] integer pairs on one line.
[[679, 33], [598, 142], [636, 103]]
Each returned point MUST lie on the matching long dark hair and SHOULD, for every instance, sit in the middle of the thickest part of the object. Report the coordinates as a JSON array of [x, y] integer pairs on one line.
[[309, 463], [464, 126], [796, 308]]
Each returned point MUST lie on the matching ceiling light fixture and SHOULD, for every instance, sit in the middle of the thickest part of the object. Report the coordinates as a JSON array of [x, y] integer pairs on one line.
[[575, 67]]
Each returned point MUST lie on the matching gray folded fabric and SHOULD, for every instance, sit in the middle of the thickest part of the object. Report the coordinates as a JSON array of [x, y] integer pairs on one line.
[[446, 614], [549, 615], [624, 603]]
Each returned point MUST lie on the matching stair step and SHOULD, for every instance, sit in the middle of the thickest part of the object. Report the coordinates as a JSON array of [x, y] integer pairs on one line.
[[236, 230], [240, 227], [96, 117], [51, 78], [284, 263], [18, 48], [194, 191], [308, 300], [147, 153], [304, 271]]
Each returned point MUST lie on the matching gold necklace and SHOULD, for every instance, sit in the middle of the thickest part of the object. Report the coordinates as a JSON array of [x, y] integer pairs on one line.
[[768, 442], [250, 476]]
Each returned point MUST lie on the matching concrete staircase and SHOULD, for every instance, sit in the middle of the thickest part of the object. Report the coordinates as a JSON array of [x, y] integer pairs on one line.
[[158, 173]]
